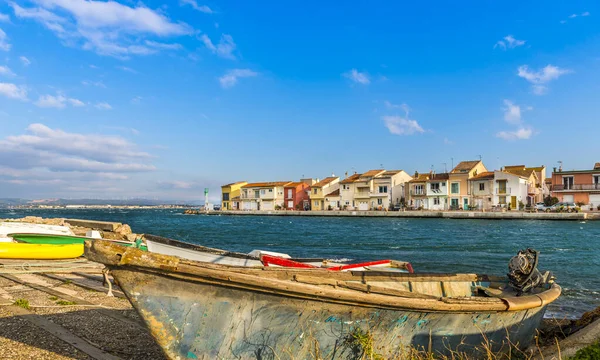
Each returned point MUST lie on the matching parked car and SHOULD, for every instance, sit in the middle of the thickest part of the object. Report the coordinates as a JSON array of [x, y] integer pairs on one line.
[[216, 207], [540, 206], [563, 206]]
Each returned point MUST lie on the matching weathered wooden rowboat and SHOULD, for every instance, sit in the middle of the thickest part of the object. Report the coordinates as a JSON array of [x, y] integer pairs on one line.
[[198, 310], [166, 246]]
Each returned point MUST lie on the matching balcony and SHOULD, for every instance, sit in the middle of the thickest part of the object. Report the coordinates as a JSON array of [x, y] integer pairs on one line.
[[362, 194], [503, 191], [417, 192], [576, 187]]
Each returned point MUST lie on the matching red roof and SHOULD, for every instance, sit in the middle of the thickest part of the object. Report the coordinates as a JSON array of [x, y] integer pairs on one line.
[[325, 181]]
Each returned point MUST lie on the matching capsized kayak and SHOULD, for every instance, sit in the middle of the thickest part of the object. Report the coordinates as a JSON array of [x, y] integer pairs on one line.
[[39, 251], [52, 239]]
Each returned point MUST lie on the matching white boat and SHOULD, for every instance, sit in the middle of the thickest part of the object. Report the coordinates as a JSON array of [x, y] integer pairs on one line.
[[9, 227]]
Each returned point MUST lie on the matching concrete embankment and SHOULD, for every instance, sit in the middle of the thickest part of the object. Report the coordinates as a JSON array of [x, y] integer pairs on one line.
[[509, 215]]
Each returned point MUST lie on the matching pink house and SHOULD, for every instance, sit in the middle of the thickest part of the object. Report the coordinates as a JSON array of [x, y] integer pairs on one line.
[[296, 196]]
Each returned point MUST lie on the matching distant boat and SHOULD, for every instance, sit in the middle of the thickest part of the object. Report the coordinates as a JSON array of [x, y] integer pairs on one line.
[[50, 239], [184, 250], [201, 310]]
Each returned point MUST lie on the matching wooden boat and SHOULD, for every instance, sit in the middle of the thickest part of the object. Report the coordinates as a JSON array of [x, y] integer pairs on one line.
[[199, 310], [39, 251], [51, 239], [166, 246]]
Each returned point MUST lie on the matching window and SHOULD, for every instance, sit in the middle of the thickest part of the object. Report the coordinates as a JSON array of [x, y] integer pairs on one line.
[[316, 202], [347, 202], [435, 186], [568, 182], [270, 190], [481, 186], [502, 200], [383, 190], [418, 189], [436, 201], [262, 192], [315, 191], [454, 188], [596, 179], [289, 193], [345, 187], [225, 196], [379, 201]]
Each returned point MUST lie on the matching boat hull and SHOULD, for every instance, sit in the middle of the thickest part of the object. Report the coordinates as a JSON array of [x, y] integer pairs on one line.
[[199, 320], [199, 254], [39, 251], [52, 239]]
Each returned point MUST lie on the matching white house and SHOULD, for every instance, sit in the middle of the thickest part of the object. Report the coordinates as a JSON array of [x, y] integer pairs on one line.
[[389, 188], [437, 191], [262, 196], [509, 189]]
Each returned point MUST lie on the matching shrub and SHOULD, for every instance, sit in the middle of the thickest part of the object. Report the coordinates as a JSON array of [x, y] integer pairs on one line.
[[550, 200], [277, 207], [580, 203], [329, 208], [598, 208], [24, 303]]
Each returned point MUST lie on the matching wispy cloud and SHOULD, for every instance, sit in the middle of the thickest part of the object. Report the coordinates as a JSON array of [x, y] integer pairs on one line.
[[202, 8], [390, 106], [539, 79], [402, 125], [357, 77], [6, 71], [99, 84], [224, 48], [127, 69], [103, 106], [106, 27], [4, 18], [58, 102], [25, 61], [519, 134], [163, 46], [13, 91], [513, 116], [509, 42], [231, 77], [4, 44], [573, 16], [136, 100], [448, 142]]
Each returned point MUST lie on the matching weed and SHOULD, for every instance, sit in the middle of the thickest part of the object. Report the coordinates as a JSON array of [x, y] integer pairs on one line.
[[24, 303], [590, 352], [65, 303], [53, 298]]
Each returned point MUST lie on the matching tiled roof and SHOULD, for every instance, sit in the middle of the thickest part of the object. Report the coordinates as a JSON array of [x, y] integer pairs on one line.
[[350, 179], [484, 176], [325, 181], [335, 193], [390, 172], [235, 183], [420, 178], [266, 184], [526, 173], [437, 177], [372, 173], [465, 166], [548, 180], [295, 184]]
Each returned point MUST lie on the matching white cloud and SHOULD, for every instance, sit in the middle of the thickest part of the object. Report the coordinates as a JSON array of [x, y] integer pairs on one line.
[[231, 77], [587, 13], [390, 106], [99, 84], [103, 106], [224, 48], [357, 77], [572, 16], [509, 42], [519, 134], [163, 46], [540, 78], [4, 45], [13, 91], [203, 8], [512, 112], [6, 71], [25, 61], [448, 142], [176, 184], [125, 68], [106, 27], [399, 125], [58, 102], [4, 18], [136, 100]]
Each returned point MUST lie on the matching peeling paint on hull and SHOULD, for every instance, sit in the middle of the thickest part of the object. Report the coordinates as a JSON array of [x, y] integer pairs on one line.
[[196, 320]]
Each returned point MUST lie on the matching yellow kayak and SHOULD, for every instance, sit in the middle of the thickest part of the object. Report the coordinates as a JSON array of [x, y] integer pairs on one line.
[[39, 251]]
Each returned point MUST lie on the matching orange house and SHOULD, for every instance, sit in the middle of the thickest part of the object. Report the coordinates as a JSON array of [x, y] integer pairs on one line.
[[577, 186]]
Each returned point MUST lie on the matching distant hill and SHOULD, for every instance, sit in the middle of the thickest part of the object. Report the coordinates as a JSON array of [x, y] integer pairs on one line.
[[140, 202]]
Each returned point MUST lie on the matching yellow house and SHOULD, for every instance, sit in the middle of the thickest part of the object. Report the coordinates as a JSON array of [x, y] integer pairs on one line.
[[320, 189], [460, 193], [230, 195]]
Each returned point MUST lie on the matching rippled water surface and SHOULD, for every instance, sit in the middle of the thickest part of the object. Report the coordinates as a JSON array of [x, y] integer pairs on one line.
[[568, 248]]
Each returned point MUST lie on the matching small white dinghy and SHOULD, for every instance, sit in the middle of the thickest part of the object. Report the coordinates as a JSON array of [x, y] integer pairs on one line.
[[9, 227]]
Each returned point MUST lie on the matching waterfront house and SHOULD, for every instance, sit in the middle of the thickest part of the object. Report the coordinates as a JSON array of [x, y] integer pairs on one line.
[[230, 195], [437, 191], [364, 190], [296, 196], [332, 200], [510, 189], [264, 196], [482, 190], [581, 186], [347, 190], [534, 185], [417, 195], [460, 192], [320, 189], [389, 188]]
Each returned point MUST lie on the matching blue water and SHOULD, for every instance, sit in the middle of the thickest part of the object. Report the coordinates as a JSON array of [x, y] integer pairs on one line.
[[568, 248]]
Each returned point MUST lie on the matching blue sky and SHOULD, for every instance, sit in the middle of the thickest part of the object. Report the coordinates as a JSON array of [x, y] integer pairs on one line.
[[159, 100]]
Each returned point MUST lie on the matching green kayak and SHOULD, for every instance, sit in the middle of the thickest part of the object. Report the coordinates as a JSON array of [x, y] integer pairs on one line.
[[65, 240]]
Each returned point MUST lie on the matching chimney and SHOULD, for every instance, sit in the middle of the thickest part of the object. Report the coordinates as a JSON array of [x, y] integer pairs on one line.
[[554, 169], [416, 174], [597, 166]]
